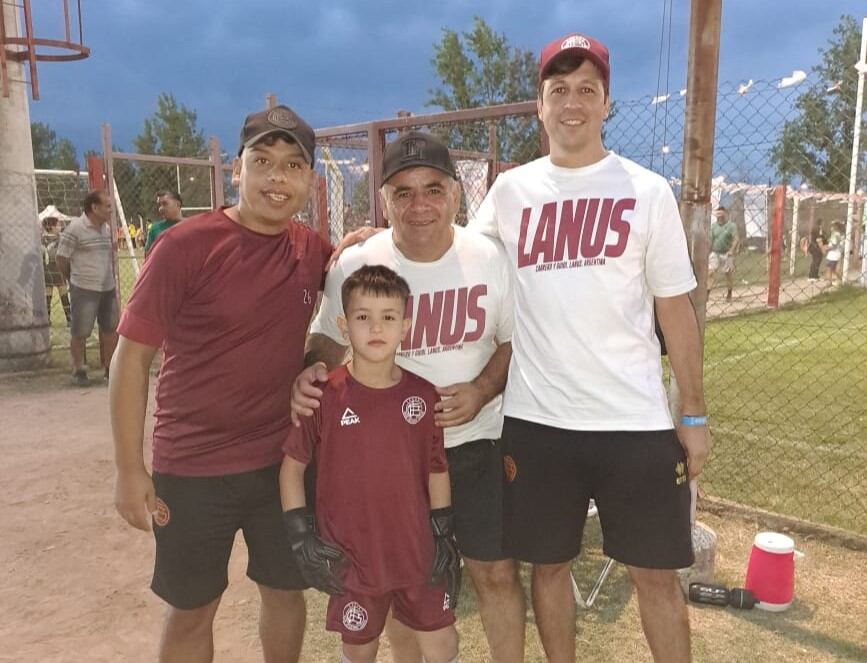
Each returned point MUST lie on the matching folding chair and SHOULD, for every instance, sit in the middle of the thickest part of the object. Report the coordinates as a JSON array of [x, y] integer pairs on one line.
[[603, 574]]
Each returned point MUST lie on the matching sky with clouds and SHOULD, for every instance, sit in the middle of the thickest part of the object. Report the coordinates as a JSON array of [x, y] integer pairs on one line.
[[344, 61]]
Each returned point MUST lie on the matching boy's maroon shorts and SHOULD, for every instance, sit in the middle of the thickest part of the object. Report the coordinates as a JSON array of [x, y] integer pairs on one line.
[[360, 618]]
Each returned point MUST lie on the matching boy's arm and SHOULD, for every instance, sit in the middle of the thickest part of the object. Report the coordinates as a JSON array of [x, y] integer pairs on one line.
[[440, 490], [134, 496], [292, 484]]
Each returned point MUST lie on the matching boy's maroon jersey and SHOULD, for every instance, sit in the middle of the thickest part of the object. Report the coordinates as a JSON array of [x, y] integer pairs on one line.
[[374, 450]]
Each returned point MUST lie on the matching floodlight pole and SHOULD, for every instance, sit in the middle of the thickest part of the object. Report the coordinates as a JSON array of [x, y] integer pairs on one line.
[[861, 66]]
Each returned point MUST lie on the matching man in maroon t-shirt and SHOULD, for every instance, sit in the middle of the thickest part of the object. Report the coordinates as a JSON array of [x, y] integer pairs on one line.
[[228, 296], [383, 536]]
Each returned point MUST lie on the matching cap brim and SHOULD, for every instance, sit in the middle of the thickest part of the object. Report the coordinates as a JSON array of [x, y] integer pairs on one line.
[[584, 53], [407, 166], [255, 139]]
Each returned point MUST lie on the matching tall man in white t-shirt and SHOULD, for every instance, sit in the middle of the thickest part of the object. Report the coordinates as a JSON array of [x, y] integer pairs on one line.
[[594, 240], [461, 310]]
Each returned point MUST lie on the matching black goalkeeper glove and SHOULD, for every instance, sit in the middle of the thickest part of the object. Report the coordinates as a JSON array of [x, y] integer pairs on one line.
[[320, 563], [447, 560]]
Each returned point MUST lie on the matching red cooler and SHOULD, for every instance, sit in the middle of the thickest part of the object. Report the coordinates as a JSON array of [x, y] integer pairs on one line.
[[771, 571]]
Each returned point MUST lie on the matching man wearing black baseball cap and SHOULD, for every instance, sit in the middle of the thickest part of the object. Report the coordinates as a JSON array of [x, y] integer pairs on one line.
[[228, 295], [594, 240], [461, 313]]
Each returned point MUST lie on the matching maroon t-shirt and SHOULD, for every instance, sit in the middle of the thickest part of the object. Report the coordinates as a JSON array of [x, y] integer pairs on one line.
[[375, 450], [230, 308]]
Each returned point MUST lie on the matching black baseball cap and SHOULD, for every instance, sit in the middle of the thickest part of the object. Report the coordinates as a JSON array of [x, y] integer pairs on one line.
[[416, 149], [278, 120]]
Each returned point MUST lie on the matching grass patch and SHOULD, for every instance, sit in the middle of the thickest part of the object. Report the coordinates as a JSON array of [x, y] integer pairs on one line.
[[786, 394]]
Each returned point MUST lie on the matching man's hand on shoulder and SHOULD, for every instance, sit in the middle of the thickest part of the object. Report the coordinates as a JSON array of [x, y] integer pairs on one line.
[[135, 497], [460, 403], [305, 393]]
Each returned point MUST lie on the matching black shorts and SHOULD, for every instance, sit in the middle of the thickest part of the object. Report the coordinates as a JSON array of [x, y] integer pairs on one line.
[[476, 474], [638, 479], [195, 526]]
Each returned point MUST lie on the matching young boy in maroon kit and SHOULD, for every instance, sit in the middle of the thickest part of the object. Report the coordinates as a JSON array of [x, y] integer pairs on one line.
[[383, 504]]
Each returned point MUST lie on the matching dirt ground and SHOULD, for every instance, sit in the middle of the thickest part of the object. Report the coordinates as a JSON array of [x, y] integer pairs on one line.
[[75, 577]]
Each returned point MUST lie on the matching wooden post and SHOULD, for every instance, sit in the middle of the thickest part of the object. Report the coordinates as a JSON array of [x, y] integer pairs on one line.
[[776, 247]]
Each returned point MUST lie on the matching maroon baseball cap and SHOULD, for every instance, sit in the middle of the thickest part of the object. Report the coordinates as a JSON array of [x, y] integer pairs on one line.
[[579, 44]]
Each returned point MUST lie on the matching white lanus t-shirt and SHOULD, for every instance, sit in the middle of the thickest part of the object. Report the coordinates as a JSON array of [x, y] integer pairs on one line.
[[460, 306], [590, 247]]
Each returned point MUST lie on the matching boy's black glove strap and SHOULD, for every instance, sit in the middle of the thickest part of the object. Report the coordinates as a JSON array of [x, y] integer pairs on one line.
[[320, 563], [447, 560]]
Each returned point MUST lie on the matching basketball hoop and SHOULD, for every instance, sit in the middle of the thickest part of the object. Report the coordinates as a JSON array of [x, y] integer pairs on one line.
[[31, 49]]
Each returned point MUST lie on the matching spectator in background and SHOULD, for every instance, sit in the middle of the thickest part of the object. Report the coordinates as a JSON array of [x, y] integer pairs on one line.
[[815, 246], [133, 234], [53, 277], [85, 259], [834, 252], [724, 242], [169, 209]]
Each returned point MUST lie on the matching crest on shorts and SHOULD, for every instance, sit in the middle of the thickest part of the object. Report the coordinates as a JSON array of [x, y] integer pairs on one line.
[[354, 616], [283, 118], [414, 409], [161, 514], [510, 469], [575, 41], [679, 473]]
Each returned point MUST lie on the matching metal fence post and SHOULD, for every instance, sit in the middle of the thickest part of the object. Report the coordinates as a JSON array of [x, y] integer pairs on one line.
[[375, 147], [217, 197]]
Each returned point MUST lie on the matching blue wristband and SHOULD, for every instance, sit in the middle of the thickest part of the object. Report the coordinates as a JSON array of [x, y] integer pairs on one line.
[[693, 421]]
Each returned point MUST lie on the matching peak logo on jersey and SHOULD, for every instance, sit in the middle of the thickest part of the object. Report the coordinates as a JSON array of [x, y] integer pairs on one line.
[[446, 602], [354, 616], [161, 514], [510, 469], [574, 233], [445, 317], [679, 473], [414, 409], [349, 418]]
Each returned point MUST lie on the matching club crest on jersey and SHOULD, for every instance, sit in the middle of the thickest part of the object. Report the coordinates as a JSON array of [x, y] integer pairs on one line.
[[575, 41], [354, 616], [349, 418], [414, 409]]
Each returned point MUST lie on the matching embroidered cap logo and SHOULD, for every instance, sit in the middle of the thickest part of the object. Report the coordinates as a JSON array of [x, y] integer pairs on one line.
[[575, 41], [413, 150], [283, 118]]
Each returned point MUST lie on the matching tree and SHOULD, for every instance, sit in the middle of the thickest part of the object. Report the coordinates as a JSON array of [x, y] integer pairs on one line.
[[51, 152], [170, 131], [480, 68], [816, 146]]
